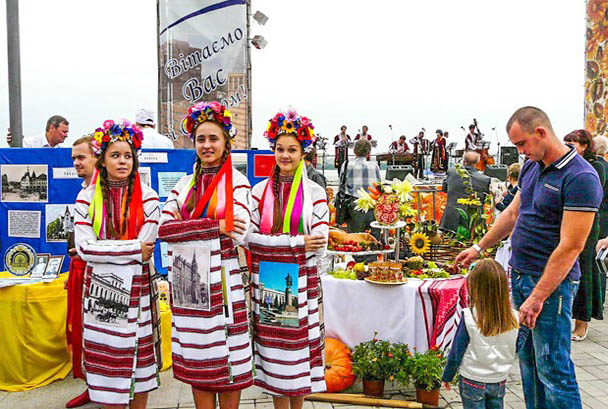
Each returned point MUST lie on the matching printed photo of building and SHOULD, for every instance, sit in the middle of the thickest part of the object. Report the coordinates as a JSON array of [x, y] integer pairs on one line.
[[190, 278]]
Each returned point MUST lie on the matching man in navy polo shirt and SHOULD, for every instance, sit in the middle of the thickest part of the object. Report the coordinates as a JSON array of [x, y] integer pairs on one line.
[[550, 216]]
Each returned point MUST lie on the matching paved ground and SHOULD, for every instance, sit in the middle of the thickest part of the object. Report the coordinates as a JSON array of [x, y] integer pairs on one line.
[[590, 357]]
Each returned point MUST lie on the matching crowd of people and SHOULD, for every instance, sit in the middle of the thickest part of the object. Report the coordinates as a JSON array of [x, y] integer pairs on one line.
[[558, 197]]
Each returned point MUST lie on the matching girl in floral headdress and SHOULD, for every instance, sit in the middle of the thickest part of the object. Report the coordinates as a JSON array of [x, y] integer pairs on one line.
[[116, 224], [289, 229], [209, 211]]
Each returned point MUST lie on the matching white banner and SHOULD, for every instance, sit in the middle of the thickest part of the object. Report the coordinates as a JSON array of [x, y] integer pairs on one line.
[[203, 57]]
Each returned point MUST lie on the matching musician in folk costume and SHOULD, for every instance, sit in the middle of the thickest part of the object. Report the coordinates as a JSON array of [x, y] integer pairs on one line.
[[420, 149], [289, 224], [439, 157], [399, 146], [366, 136], [116, 225], [210, 208], [473, 140], [342, 142]]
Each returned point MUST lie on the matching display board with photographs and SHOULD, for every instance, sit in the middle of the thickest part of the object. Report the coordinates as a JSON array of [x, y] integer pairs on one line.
[[107, 303], [25, 183], [190, 271], [278, 294]]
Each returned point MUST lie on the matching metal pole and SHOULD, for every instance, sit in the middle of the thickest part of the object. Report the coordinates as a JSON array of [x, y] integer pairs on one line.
[[14, 71], [249, 99], [159, 69]]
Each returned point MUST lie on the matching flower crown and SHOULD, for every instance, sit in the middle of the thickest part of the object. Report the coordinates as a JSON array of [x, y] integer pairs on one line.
[[209, 111], [290, 123], [112, 132]]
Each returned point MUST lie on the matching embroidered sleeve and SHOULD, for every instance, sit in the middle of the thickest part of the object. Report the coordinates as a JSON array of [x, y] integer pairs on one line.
[[91, 249], [242, 203], [320, 221], [149, 230]]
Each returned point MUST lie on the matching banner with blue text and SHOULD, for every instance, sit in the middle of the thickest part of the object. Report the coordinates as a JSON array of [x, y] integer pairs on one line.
[[203, 57]]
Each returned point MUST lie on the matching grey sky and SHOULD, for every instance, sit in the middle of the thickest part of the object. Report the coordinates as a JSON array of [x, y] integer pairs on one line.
[[412, 64]]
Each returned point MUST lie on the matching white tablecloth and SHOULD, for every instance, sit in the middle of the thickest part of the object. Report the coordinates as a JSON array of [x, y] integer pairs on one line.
[[353, 310]]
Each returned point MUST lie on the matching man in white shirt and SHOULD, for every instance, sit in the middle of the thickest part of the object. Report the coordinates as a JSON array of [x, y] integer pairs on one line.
[[144, 118], [57, 128]]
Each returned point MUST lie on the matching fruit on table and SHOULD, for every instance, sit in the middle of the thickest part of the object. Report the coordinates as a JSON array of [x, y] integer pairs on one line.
[[359, 266], [338, 366], [344, 274], [387, 209], [415, 263]]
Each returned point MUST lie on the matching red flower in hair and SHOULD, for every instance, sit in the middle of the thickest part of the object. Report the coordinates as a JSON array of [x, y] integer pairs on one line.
[[274, 130], [303, 134], [106, 138]]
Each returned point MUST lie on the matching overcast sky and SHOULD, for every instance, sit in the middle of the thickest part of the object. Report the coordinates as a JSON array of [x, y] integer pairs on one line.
[[411, 64]]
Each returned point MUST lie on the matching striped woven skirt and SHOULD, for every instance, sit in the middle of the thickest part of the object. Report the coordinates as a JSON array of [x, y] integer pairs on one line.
[[122, 361], [289, 360], [210, 351]]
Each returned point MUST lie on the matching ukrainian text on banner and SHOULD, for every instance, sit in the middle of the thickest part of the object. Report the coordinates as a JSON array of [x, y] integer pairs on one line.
[[203, 57], [596, 78]]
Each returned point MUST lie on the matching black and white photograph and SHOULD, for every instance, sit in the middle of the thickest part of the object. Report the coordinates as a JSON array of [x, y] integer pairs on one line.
[[107, 303], [42, 259], [145, 175], [53, 267], [24, 183], [190, 277], [59, 219]]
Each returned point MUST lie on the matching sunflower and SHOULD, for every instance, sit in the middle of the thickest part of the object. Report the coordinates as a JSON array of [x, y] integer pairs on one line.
[[288, 126], [420, 243]]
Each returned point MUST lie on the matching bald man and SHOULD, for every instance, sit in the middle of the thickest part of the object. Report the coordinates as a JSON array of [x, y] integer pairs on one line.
[[453, 185]]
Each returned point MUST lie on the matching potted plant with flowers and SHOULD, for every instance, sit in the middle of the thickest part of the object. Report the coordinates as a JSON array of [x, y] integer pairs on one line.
[[374, 362], [426, 371], [403, 363]]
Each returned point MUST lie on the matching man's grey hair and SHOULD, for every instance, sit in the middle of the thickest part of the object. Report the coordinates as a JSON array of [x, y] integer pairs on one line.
[[529, 118], [471, 158], [362, 148], [600, 145]]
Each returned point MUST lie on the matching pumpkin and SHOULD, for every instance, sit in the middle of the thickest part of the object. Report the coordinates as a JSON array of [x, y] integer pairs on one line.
[[338, 366]]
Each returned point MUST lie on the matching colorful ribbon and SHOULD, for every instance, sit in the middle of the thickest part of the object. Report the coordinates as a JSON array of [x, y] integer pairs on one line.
[[216, 202], [135, 215], [292, 210]]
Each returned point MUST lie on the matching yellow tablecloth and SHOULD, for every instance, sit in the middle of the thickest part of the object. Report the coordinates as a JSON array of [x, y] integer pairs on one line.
[[33, 350]]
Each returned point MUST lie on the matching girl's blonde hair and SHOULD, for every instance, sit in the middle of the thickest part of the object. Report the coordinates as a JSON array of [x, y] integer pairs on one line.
[[489, 297]]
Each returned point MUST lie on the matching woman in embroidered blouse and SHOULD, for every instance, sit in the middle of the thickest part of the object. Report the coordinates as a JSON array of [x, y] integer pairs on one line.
[[116, 224], [211, 345], [289, 224]]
